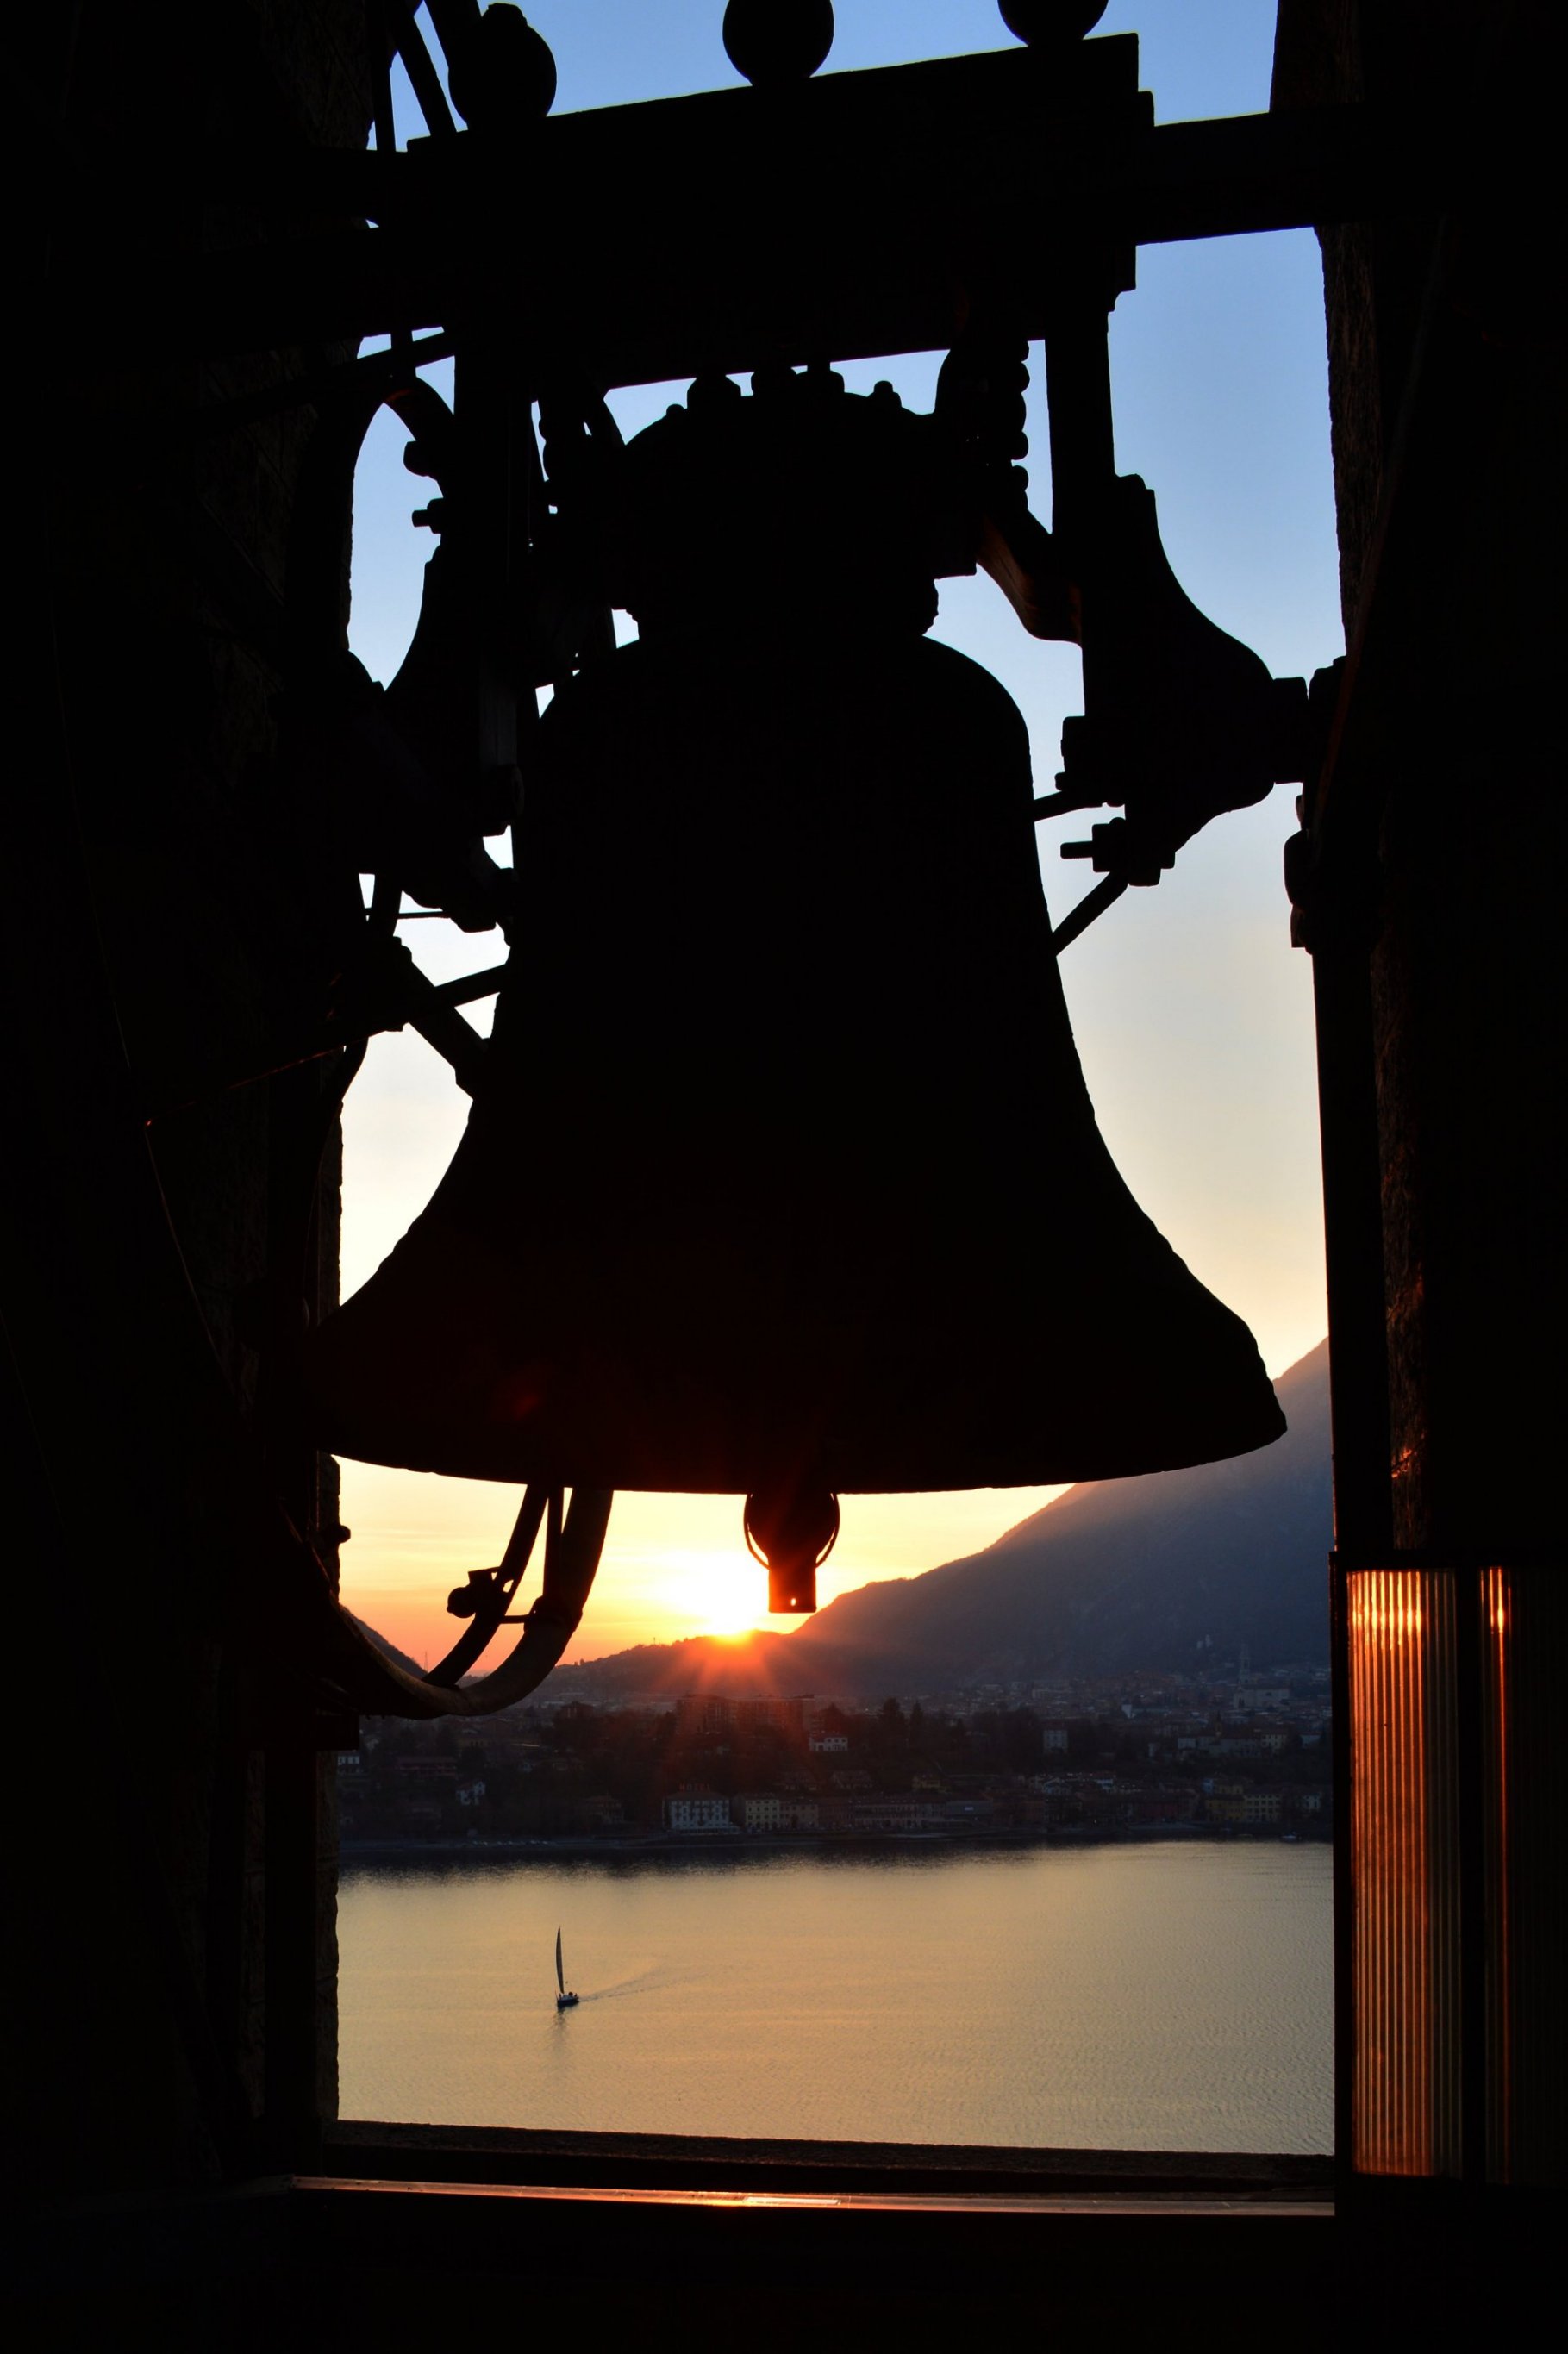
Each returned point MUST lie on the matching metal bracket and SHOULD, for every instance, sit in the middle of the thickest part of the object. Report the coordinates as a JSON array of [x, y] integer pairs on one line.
[[364, 1679]]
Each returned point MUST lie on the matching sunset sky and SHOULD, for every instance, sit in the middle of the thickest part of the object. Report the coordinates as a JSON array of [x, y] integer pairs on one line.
[[1193, 1014]]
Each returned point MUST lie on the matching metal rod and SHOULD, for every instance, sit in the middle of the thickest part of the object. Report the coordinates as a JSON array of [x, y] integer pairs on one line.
[[443, 1027], [420, 69], [400, 327], [1091, 906], [506, 1579], [454, 20], [381, 80], [319, 383], [472, 986], [1078, 397], [374, 1684]]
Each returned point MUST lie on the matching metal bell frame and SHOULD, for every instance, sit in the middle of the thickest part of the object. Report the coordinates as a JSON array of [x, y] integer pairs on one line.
[[1181, 722]]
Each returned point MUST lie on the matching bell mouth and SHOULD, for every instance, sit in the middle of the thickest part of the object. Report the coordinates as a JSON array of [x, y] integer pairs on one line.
[[455, 1358]]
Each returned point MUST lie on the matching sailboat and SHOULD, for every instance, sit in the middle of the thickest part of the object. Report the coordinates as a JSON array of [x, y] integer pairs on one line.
[[564, 1998]]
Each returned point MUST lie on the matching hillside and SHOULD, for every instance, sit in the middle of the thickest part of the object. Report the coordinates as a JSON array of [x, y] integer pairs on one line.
[[400, 1658], [1159, 1572]]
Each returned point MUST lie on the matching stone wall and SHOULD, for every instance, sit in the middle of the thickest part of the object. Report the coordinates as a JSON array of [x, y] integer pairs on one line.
[[1445, 380], [161, 1229]]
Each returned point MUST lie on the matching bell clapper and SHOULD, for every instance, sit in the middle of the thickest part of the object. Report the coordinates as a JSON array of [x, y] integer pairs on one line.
[[791, 1531]]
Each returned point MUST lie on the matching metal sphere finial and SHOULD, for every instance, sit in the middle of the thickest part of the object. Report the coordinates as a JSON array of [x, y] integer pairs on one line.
[[503, 72], [772, 41], [1047, 23]]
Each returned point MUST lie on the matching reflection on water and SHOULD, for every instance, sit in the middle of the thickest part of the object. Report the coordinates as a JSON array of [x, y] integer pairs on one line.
[[1172, 1996]]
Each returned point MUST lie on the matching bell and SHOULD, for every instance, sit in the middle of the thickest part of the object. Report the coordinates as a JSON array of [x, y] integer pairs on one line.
[[782, 1179]]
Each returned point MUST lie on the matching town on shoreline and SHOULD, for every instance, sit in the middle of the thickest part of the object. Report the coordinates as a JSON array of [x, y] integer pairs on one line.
[[1242, 1752]]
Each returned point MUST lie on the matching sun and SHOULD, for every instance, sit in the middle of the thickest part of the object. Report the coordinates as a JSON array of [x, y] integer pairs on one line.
[[717, 1594]]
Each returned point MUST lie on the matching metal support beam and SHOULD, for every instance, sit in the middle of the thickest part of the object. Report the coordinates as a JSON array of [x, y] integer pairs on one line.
[[932, 188]]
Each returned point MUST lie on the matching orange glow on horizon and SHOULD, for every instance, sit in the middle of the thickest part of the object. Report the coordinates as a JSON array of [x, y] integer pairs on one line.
[[675, 1566]]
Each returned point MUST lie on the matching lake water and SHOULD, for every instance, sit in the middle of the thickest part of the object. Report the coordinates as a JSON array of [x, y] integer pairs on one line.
[[1174, 1995]]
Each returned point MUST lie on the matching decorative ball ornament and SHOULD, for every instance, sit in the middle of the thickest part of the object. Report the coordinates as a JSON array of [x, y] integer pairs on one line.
[[504, 73], [1045, 24], [776, 41]]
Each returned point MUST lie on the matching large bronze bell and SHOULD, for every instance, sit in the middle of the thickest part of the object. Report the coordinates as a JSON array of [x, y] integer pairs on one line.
[[782, 1179]]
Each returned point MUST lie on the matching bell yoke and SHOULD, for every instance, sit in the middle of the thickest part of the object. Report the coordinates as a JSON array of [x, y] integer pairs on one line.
[[781, 1177]]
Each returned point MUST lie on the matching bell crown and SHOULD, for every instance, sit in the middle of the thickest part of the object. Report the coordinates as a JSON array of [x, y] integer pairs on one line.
[[801, 503]]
